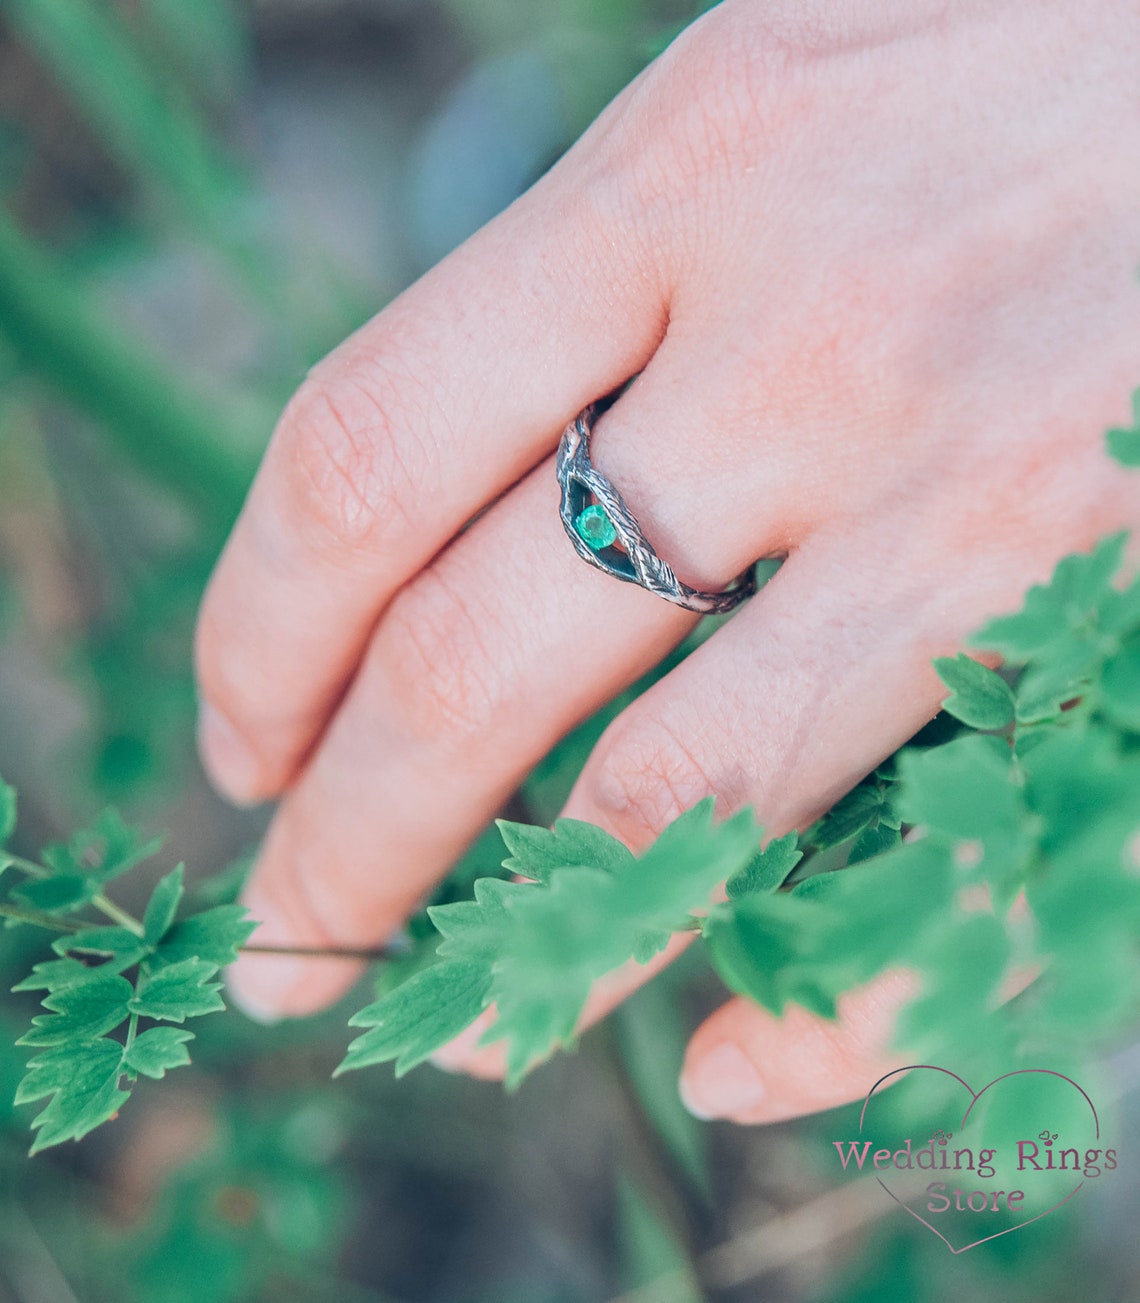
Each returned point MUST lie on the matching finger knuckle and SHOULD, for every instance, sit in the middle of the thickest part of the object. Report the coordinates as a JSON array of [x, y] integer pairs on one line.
[[643, 776], [350, 471], [437, 667]]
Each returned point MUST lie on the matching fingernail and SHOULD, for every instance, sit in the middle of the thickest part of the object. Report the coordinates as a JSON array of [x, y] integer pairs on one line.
[[723, 1083], [260, 984], [227, 758]]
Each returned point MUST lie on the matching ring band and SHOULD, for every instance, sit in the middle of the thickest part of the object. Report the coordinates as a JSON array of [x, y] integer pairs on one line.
[[596, 519]]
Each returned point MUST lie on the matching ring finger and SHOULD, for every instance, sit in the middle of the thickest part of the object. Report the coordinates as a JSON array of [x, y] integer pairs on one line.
[[502, 645]]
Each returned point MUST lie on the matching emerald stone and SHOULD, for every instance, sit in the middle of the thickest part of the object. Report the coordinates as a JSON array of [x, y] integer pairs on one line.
[[594, 527]]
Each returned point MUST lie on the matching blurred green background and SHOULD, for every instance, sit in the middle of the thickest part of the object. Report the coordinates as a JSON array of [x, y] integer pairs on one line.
[[197, 199]]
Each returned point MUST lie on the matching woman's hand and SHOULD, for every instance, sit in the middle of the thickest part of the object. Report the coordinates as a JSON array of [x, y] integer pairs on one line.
[[875, 264]]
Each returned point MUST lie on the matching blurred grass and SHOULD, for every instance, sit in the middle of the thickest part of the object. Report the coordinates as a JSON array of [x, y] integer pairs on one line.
[[159, 299]]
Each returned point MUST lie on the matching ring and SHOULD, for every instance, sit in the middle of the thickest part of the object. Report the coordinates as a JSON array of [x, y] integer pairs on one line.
[[597, 520]]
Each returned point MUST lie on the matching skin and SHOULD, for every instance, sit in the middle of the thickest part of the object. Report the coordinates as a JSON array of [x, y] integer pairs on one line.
[[874, 264]]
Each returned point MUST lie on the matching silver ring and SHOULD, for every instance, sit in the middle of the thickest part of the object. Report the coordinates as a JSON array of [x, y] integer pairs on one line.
[[597, 521]]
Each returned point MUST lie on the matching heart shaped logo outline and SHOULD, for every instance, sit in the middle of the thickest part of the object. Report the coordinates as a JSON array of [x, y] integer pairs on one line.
[[974, 1097]]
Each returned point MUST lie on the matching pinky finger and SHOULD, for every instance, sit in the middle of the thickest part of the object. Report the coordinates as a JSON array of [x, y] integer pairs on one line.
[[748, 1066]]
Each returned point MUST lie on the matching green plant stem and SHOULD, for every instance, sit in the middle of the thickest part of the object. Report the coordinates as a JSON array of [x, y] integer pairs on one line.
[[112, 911], [132, 1031], [321, 952], [124, 919], [40, 920], [167, 431], [103, 904]]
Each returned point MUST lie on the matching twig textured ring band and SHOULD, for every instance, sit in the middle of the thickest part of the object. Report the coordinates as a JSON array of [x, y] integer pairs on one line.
[[597, 520]]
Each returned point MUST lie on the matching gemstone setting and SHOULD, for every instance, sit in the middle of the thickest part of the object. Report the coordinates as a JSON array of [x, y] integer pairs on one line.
[[594, 527]]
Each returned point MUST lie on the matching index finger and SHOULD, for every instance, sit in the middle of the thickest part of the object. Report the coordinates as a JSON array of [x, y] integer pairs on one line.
[[400, 436]]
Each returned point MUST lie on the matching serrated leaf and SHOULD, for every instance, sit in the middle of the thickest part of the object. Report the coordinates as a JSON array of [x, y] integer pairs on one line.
[[873, 842], [83, 1079], [163, 905], [471, 929], [156, 1051], [762, 948], [57, 975], [536, 852], [848, 817], [690, 858], [110, 847], [123, 945], [83, 1010], [965, 789], [7, 811], [1053, 680], [1124, 445], [768, 869], [560, 938], [1056, 611], [178, 991], [215, 935], [59, 894], [420, 1015], [978, 696], [1120, 687]]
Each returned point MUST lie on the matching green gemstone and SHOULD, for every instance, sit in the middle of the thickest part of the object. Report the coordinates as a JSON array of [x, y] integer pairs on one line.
[[594, 527]]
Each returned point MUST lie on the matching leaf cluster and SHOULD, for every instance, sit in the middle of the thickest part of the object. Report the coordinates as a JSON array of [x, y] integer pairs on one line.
[[1027, 787], [114, 990]]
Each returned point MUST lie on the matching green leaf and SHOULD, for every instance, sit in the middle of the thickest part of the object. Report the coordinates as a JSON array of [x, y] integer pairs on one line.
[[858, 810], [765, 947], [103, 850], [81, 1010], [215, 935], [83, 1079], [561, 938], [123, 945], [978, 696], [1061, 676], [965, 789], [59, 894], [768, 869], [178, 991], [163, 905], [58, 974], [7, 811], [472, 929], [155, 1051], [1124, 445], [873, 842], [536, 852], [1120, 687], [419, 1016], [1057, 611]]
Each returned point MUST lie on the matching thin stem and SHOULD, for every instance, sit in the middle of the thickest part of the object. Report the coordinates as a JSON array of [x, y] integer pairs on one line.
[[39, 919], [103, 904], [132, 1031], [26, 866], [117, 915], [321, 952], [126, 920]]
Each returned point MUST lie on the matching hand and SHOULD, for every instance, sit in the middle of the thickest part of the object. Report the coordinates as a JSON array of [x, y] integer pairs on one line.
[[874, 265]]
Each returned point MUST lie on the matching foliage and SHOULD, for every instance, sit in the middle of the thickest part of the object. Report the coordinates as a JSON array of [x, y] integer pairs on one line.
[[1036, 791], [139, 444], [108, 983]]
